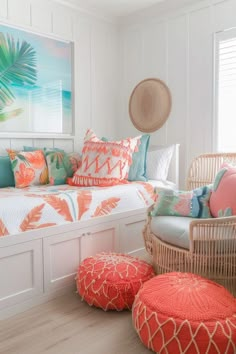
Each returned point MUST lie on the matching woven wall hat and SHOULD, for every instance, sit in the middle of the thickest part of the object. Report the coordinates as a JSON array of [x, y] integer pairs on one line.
[[149, 105]]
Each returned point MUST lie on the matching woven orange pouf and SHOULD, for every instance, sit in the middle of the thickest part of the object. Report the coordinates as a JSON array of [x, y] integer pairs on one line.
[[178, 313], [111, 280]]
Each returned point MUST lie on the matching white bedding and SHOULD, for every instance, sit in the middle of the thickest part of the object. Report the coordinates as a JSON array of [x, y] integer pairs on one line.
[[43, 206]]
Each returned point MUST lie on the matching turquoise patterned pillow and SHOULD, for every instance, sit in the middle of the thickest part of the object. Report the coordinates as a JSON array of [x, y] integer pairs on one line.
[[57, 172], [137, 171], [203, 194], [32, 148], [61, 165], [6, 174], [176, 203]]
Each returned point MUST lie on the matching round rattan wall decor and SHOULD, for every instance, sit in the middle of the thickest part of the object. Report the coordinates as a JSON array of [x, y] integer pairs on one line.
[[149, 105]]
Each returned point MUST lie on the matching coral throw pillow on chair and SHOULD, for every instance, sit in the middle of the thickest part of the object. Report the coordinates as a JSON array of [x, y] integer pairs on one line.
[[105, 163], [223, 196]]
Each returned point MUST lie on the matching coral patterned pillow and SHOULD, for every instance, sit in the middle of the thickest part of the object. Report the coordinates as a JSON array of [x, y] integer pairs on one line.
[[105, 163], [223, 196], [29, 168]]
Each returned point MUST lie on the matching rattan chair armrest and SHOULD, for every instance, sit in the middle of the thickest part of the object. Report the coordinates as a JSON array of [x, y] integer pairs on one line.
[[213, 229]]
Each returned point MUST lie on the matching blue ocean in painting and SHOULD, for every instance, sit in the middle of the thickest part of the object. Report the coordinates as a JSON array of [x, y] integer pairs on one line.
[[46, 109], [46, 105]]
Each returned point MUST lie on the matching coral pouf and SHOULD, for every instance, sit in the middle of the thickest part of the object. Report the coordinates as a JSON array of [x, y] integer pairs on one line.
[[184, 313], [111, 281]]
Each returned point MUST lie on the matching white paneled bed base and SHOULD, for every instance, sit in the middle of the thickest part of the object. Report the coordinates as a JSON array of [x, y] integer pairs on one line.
[[38, 265]]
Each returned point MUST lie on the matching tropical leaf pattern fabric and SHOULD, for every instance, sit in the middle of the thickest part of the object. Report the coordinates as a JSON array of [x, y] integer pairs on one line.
[[18, 67], [36, 207], [29, 168], [61, 165]]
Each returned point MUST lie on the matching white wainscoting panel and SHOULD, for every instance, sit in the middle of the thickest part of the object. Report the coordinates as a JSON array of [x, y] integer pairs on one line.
[[3, 8], [62, 22], [177, 81], [183, 55], [19, 12], [41, 19], [25, 261], [200, 83]]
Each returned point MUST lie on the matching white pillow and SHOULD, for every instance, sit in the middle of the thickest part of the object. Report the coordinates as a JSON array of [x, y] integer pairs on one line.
[[158, 162]]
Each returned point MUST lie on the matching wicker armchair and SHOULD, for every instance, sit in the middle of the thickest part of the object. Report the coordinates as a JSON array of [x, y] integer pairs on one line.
[[212, 251]]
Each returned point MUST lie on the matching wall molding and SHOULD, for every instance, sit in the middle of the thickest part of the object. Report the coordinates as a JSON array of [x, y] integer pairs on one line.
[[87, 11]]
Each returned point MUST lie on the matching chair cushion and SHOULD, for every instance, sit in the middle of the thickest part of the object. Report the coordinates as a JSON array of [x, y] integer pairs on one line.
[[111, 280], [185, 313], [172, 229]]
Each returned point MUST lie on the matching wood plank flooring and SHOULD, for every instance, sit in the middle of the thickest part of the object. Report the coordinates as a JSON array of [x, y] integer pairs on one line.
[[67, 325]]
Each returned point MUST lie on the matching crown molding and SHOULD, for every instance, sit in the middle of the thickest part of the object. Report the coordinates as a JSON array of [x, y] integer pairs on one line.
[[88, 11]]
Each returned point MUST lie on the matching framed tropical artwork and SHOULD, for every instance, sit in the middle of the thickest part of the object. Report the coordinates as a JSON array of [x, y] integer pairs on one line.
[[35, 83]]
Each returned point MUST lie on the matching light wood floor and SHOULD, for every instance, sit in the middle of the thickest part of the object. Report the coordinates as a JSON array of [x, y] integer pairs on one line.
[[67, 325]]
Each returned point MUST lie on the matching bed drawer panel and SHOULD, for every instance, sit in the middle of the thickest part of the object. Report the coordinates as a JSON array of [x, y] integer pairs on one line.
[[61, 259], [101, 239], [20, 272], [131, 238]]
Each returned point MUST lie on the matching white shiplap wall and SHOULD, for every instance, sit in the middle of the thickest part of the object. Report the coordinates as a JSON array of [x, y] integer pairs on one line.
[[177, 48], [95, 66]]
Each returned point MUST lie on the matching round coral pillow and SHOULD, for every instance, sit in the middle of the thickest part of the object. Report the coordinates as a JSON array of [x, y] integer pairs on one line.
[[111, 281], [185, 313]]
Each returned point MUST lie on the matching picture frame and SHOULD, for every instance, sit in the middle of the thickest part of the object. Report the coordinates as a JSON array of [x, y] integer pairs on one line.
[[36, 84]]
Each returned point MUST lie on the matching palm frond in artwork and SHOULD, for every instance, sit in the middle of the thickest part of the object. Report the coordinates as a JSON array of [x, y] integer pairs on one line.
[[17, 66]]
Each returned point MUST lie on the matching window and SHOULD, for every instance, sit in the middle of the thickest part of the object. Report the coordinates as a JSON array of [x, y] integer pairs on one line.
[[226, 90]]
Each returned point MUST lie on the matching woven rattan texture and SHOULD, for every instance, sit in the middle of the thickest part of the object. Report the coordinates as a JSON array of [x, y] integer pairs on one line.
[[212, 241], [111, 281], [183, 313]]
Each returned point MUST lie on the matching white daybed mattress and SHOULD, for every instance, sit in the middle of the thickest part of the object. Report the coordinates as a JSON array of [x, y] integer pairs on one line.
[[43, 206]]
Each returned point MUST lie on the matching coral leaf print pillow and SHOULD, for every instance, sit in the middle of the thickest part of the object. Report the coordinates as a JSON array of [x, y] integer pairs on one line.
[[29, 168], [105, 163]]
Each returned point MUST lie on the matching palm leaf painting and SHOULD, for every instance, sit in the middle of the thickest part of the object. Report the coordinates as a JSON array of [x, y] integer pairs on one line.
[[17, 67]]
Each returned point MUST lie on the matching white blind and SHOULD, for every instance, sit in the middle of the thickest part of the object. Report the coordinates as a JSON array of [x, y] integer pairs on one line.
[[226, 90]]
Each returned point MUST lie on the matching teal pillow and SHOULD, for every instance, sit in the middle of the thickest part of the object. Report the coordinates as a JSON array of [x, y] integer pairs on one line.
[[176, 203], [137, 171], [56, 169], [203, 194], [31, 148], [61, 165], [6, 174]]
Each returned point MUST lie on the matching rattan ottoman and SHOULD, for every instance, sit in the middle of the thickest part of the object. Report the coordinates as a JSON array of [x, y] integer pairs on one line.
[[180, 313], [111, 280]]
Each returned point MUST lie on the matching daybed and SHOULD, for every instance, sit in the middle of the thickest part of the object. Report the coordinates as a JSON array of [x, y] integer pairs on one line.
[[40, 262], [204, 246]]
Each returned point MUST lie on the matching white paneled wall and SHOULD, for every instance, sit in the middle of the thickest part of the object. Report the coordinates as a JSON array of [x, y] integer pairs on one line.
[[110, 60], [95, 73], [179, 49]]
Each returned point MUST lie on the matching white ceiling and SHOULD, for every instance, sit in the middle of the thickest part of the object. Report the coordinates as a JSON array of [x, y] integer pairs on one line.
[[114, 8]]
